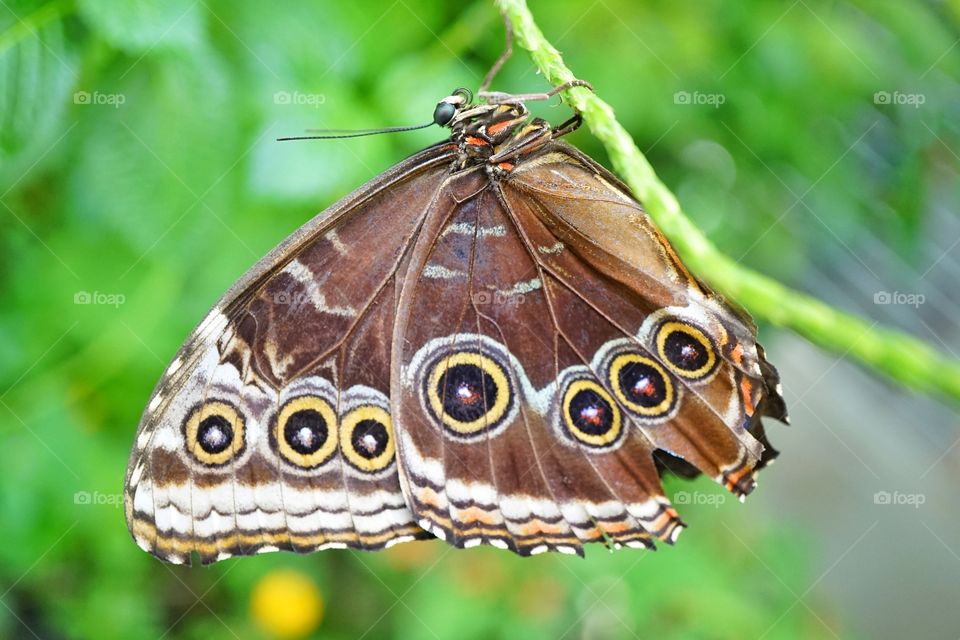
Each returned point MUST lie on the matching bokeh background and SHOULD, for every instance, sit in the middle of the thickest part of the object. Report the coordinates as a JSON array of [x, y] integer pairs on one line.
[[815, 141]]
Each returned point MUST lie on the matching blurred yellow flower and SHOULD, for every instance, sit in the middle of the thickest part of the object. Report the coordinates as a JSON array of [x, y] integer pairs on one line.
[[286, 604]]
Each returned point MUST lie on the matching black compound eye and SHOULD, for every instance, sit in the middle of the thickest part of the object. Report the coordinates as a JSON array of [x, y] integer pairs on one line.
[[686, 350], [590, 414], [468, 392], [366, 438], [214, 433], [444, 113], [305, 434], [642, 385]]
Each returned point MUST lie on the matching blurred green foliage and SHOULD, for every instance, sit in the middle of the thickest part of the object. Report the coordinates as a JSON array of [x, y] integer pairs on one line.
[[137, 165]]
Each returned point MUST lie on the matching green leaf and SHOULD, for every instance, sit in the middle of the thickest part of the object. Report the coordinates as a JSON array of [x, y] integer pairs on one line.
[[141, 26], [36, 75]]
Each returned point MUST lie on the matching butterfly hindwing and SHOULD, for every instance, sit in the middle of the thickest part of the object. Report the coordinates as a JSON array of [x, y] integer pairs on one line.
[[642, 291], [571, 346], [271, 428]]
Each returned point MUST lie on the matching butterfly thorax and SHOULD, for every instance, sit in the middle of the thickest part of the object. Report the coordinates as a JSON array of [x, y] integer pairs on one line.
[[496, 135]]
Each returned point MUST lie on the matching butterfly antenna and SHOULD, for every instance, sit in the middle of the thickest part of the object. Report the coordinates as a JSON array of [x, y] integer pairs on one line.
[[332, 134]]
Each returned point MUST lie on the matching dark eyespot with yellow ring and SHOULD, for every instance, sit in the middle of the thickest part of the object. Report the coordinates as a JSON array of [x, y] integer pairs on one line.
[[214, 433], [468, 392], [642, 385], [366, 439], [305, 432], [590, 415], [686, 350]]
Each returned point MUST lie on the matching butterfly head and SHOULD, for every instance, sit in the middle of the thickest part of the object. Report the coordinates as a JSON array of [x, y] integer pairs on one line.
[[448, 108]]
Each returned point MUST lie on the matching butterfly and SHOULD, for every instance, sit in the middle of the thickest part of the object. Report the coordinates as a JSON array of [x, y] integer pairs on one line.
[[489, 343]]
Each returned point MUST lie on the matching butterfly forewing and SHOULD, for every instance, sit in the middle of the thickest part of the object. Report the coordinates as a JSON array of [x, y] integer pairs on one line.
[[271, 428]]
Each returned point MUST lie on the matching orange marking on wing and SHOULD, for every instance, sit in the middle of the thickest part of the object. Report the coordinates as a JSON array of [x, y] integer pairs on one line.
[[737, 353], [614, 528], [506, 166], [552, 540], [664, 519], [734, 478], [429, 497], [590, 534], [498, 532], [168, 543], [471, 515], [746, 390], [500, 126], [442, 522], [537, 526], [477, 141]]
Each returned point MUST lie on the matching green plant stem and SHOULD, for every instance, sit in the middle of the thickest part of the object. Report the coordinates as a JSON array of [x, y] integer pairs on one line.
[[903, 358]]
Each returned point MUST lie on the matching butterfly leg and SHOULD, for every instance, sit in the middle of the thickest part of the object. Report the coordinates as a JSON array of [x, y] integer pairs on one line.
[[569, 126], [500, 97], [507, 52]]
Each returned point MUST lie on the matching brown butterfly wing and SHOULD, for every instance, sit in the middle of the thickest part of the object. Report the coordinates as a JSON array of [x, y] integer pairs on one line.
[[517, 427], [606, 231], [271, 429]]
